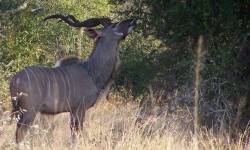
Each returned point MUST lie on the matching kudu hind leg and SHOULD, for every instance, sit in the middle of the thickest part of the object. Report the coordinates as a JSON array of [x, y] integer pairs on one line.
[[23, 124]]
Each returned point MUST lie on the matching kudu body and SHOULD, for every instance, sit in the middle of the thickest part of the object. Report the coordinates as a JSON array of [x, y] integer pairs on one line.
[[72, 85]]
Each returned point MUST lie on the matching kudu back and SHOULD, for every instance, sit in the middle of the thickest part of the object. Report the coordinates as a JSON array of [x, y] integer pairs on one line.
[[71, 85]]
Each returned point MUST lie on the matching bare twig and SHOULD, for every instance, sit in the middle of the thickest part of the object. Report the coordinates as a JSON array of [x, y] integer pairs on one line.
[[196, 91]]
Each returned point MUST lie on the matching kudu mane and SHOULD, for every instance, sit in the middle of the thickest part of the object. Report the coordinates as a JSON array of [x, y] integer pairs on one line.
[[67, 60]]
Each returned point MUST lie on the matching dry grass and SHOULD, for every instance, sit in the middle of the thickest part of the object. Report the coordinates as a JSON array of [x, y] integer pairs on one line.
[[114, 127]]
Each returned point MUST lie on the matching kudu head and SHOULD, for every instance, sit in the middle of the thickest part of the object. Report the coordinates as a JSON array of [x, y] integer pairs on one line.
[[116, 31]]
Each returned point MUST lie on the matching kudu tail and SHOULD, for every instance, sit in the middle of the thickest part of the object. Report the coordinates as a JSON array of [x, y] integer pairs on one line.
[[15, 98]]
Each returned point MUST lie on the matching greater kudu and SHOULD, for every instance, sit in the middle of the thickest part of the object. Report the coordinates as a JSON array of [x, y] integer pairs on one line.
[[72, 85]]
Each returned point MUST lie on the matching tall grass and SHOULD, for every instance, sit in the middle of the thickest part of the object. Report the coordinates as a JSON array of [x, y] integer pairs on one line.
[[110, 127]]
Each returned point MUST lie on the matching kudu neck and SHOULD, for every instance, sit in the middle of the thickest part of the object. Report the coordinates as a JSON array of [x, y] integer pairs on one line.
[[103, 45], [102, 61]]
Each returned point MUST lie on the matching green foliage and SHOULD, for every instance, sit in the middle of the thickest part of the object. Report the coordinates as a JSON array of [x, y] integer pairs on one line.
[[4, 93], [26, 40], [137, 60], [145, 61], [176, 26]]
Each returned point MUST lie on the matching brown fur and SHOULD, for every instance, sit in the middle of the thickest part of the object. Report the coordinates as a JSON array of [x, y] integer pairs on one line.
[[67, 60]]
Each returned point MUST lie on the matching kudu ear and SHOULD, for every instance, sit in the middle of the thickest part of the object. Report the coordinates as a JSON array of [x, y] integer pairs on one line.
[[93, 33]]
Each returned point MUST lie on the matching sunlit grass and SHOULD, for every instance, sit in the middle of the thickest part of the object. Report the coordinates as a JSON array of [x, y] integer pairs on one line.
[[109, 127]]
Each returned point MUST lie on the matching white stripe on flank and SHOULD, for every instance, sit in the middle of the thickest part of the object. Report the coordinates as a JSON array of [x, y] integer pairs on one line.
[[64, 84], [41, 74], [68, 82], [36, 81], [47, 77], [28, 78], [74, 90], [54, 77], [55, 99]]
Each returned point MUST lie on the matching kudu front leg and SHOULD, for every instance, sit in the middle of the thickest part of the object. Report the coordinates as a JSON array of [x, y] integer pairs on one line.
[[76, 123], [23, 124]]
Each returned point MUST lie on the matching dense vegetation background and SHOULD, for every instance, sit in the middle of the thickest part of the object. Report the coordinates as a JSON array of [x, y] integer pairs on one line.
[[158, 59]]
